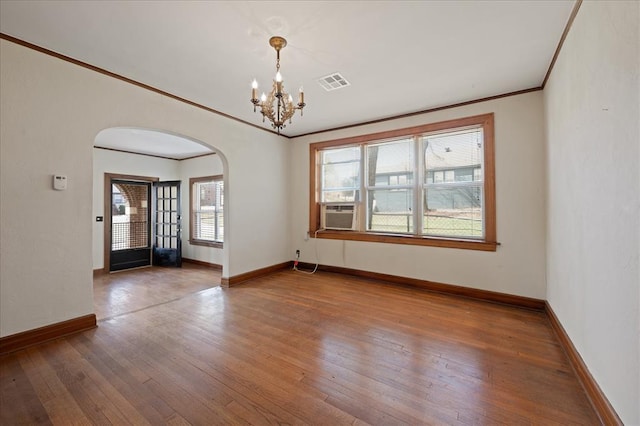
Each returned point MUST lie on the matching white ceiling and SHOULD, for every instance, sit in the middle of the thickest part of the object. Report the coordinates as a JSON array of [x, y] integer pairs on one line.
[[399, 56], [150, 142]]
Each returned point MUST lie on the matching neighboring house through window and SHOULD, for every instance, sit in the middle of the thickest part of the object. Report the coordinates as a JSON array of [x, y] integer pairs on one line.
[[426, 185], [206, 206]]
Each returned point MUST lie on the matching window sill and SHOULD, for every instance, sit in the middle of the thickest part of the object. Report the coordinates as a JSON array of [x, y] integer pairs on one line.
[[406, 239], [205, 243]]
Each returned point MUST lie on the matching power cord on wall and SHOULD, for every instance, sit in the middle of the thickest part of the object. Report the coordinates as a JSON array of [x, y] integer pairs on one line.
[[295, 263]]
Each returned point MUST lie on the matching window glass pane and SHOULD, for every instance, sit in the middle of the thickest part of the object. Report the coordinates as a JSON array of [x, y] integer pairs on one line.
[[119, 203], [340, 174], [390, 163], [464, 174], [207, 194], [208, 210], [390, 210], [339, 196], [206, 225], [457, 154], [341, 155], [382, 180], [453, 211], [220, 236], [477, 173]]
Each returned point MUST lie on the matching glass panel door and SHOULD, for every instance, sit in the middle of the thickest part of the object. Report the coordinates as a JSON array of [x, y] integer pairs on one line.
[[167, 244]]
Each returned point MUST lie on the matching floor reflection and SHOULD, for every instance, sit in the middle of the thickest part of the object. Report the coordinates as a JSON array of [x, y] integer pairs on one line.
[[130, 291]]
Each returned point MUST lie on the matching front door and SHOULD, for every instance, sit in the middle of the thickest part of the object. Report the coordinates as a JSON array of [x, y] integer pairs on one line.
[[130, 225], [167, 244]]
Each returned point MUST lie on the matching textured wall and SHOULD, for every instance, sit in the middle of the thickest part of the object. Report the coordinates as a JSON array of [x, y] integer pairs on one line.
[[592, 113]]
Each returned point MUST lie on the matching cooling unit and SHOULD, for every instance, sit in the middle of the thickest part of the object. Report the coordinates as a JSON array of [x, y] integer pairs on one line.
[[339, 216]]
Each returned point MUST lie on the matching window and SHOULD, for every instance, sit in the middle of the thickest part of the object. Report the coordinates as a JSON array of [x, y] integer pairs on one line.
[[206, 206], [426, 185], [390, 204], [340, 172]]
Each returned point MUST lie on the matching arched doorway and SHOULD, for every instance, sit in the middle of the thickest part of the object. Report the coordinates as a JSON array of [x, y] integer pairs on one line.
[[153, 155]]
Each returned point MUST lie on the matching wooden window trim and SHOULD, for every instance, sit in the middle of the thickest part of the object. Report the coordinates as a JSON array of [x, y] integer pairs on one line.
[[192, 239], [205, 243], [489, 243]]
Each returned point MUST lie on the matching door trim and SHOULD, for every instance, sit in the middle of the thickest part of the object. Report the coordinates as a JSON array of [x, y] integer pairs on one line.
[[108, 177]]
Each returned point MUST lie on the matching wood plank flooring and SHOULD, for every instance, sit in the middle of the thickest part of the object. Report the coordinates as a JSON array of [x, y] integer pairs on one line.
[[129, 291], [324, 349]]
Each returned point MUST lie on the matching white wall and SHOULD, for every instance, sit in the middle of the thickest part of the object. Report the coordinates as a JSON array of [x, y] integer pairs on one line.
[[518, 265], [592, 111], [51, 111], [209, 165]]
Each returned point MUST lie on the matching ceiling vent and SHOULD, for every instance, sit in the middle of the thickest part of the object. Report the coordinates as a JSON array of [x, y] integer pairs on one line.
[[333, 81]]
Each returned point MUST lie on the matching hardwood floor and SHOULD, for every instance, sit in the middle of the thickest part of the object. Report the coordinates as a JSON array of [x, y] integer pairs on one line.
[[129, 291], [290, 348]]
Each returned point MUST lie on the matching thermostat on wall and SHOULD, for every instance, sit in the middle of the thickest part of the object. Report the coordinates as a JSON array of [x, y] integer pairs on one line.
[[59, 182]]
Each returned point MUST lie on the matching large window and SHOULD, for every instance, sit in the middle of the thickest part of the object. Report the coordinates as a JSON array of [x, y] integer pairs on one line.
[[427, 185], [206, 205]]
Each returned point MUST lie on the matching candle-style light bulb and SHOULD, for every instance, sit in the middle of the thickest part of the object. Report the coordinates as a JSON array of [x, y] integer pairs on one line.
[[263, 98], [301, 97], [278, 84], [254, 89]]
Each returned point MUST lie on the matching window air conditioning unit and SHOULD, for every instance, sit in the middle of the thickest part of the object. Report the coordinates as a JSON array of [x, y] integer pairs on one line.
[[339, 216]]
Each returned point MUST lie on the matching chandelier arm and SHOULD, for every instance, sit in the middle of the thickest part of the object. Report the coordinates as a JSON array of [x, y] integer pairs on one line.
[[279, 97]]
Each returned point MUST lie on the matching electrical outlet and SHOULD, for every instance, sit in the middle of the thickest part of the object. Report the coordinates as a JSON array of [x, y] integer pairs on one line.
[[297, 253]]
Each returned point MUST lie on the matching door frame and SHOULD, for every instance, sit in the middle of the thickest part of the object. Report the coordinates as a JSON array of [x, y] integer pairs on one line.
[[108, 177]]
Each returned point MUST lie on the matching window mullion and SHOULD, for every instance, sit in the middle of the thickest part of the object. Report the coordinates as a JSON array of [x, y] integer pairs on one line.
[[363, 198], [418, 179], [215, 218]]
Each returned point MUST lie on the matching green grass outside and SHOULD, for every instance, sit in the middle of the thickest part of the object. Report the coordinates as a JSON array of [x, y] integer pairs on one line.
[[433, 225]]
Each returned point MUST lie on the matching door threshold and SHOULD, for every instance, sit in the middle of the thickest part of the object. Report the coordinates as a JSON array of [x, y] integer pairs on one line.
[[130, 269]]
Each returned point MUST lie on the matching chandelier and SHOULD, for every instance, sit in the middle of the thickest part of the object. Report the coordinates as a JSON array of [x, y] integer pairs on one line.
[[278, 105]]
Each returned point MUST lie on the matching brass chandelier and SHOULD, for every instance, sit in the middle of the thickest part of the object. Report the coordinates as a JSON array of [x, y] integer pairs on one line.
[[278, 105]]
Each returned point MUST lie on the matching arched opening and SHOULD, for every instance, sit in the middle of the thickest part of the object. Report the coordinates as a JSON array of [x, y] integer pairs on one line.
[[126, 162]]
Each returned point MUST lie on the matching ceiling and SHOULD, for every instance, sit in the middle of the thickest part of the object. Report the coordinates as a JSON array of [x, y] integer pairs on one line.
[[399, 57], [150, 142]]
